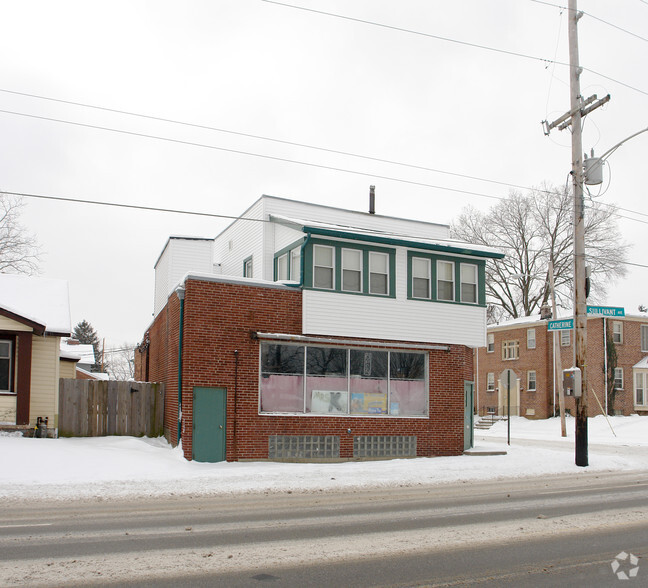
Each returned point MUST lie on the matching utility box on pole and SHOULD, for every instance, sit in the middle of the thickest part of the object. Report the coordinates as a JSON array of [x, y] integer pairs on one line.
[[572, 383]]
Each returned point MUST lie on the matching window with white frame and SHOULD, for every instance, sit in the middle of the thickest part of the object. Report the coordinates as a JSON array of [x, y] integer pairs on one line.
[[490, 342], [5, 365], [421, 278], [352, 270], [247, 268], [531, 381], [640, 378], [323, 267], [531, 339], [282, 267], [445, 280], [295, 264], [617, 332], [510, 350], [468, 274], [644, 337], [565, 338], [618, 378], [490, 381], [378, 273]]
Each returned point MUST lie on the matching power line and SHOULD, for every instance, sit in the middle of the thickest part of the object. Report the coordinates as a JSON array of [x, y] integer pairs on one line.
[[252, 154], [263, 138], [450, 40]]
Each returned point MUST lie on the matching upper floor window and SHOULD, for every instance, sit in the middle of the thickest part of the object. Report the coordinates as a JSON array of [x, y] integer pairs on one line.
[[644, 337], [445, 280], [247, 268], [565, 338], [617, 332], [618, 378], [531, 339], [323, 267], [531, 381], [468, 273], [490, 342], [5, 366], [490, 381], [378, 273], [352, 270], [510, 350], [282, 267], [421, 278], [295, 265]]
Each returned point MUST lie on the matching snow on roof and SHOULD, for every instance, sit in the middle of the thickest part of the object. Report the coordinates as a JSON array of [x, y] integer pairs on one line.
[[642, 364], [94, 375], [45, 301], [83, 352], [450, 244]]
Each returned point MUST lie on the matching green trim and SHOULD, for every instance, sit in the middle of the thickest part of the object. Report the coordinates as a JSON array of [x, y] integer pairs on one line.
[[337, 247], [295, 245], [401, 242], [481, 276], [245, 263]]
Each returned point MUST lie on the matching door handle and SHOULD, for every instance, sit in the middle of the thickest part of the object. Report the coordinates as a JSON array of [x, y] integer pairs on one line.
[[220, 426]]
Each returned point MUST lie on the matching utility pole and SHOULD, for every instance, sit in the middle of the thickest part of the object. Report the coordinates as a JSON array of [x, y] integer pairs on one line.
[[578, 109]]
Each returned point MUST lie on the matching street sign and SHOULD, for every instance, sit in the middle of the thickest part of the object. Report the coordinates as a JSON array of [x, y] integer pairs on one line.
[[560, 324], [605, 311]]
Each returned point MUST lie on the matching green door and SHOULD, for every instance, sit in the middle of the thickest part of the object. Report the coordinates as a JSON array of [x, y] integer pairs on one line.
[[468, 415], [209, 418]]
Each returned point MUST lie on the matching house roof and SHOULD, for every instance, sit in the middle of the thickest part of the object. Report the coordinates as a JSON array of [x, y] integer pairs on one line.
[[642, 364], [41, 303], [82, 352], [388, 238]]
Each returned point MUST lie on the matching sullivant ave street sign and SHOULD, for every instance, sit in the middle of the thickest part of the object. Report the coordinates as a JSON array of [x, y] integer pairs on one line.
[[605, 311], [560, 324]]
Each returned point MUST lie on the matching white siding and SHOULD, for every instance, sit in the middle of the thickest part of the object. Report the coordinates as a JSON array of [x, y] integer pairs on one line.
[[312, 212], [7, 324], [284, 237], [8, 410], [344, 315], [239, 241], [180, 256]]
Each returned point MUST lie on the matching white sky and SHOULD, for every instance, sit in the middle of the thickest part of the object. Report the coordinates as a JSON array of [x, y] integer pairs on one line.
[[69, 469], [254, 67]]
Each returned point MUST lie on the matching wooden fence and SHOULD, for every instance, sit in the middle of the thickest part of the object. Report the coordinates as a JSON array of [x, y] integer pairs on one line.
[[89, 408]]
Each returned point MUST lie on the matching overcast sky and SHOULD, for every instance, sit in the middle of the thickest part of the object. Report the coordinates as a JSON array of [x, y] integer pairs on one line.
[[259, 68]]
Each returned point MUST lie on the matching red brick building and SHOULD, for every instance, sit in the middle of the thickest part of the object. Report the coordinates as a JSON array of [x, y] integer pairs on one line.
[[527, 347], [347, 336]]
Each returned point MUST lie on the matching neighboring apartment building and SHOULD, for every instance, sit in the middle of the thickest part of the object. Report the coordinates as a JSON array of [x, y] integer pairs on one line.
[[312, 332], [527, 347]]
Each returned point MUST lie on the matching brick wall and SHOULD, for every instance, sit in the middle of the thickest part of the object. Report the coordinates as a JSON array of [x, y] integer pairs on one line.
[[218, 320]]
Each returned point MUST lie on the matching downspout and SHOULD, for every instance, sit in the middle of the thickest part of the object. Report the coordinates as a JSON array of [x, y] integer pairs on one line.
[[301, 258], [180, 291], [605, 364]]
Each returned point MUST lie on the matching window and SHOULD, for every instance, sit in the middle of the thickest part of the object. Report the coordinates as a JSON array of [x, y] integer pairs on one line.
[[352, 270], [378, 273], [5, 366], [531, 339], [618, 378], [510, 350], [490, 382], [337, 380], [421, 278], [617, 332], [644, 337], [565, 338], [640, 387], [468, 283], [295, 265], [445, 280], [282, 267], [323, 267], [490, 343], [531, 381], [247, 268]]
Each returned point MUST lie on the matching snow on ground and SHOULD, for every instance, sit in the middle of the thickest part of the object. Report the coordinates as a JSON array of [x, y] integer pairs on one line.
[[110, 467]]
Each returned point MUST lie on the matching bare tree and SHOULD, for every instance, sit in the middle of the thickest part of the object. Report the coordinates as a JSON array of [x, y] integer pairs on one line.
[[120, 363], [19, 252], [532, 230]]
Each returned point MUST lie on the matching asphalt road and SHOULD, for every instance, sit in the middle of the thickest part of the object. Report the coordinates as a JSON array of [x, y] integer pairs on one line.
[[532, 532]]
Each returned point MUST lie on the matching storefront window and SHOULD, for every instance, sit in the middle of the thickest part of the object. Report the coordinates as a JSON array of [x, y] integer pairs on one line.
[[408, 384], [326, 380], [282, 378], [368, 382]]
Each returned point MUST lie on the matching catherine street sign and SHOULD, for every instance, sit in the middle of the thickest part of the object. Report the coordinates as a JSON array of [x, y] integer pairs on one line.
[[560, 324]]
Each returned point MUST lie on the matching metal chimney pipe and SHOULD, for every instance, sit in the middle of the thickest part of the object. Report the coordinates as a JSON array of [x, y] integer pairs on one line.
[[372, 199]]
